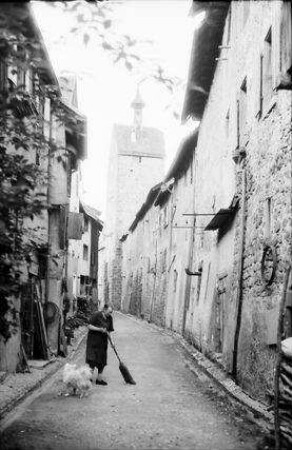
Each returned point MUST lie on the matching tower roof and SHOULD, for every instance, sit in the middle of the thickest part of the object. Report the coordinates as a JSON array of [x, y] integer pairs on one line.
[[150, 143], [138, 102]]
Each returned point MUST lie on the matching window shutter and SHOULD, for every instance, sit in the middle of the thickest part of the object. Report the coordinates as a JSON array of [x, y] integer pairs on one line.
[[258, 91], [234, 116], [286, 36], [75, 225], [276, 14], [282, 51], [237, 118]]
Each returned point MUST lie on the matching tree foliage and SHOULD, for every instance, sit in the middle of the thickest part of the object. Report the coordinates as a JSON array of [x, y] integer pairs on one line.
[[95, 21]]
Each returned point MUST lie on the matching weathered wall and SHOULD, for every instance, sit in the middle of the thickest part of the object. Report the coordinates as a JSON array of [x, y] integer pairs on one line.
[[156, 254], [267, 140], [130, 176], [206, 308], [74, 246]]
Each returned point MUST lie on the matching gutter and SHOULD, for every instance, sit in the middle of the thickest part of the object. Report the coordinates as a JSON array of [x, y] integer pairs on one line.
[[239, 299]]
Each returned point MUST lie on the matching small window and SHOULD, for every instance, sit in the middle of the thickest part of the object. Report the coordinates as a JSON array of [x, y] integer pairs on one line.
[[85, 252], [85, 224]]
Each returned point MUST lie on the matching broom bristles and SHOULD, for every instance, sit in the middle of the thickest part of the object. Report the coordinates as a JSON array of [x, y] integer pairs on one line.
[[126, 374]]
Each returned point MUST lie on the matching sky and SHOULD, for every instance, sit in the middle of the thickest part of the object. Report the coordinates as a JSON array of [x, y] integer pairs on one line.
[[105, 90]]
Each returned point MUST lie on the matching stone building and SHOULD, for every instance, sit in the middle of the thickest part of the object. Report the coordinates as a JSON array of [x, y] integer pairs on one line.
[[136, 161], [156, 249], [33, 98], [239, 202], [90, 246], [84, 224], [244, 172]]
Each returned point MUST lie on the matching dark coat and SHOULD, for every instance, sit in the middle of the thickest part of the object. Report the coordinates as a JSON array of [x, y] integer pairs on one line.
[[97, 342]]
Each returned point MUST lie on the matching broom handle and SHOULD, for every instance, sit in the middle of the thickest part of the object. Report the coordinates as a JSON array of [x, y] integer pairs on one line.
[[114, 348]]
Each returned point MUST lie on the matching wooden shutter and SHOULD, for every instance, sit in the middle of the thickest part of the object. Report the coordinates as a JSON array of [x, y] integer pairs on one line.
[[282, 42], [234, 126], [286, 36], [258, 88], [75, 225]]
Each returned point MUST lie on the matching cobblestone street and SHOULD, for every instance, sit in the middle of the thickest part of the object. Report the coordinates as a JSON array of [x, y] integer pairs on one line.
[[169, 407]]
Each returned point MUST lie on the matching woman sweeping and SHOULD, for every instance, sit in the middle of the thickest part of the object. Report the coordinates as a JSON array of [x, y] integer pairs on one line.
[[100, 325]]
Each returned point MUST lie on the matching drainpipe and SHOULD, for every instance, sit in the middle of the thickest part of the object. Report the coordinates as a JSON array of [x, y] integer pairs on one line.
[[188, 280], [239, 298], [190, 256], [154, 283]]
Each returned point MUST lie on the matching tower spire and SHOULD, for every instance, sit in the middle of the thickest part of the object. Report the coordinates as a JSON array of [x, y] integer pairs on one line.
[[137, 105]]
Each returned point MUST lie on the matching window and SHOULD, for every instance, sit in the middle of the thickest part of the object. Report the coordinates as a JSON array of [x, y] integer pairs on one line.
[[85, 224], [85, 252], [286, 37]]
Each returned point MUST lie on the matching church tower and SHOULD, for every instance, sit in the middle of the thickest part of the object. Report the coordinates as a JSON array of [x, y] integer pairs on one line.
[[136, 164]]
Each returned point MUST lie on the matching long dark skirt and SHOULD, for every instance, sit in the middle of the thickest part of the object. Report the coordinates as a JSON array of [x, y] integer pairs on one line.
[[96, 349]]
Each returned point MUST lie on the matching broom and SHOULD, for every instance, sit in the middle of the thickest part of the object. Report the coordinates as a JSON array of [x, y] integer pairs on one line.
[[123, 369]]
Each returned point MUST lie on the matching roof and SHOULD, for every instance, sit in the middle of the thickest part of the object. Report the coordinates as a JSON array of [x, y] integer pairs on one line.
[[152, 194], [76, 130], [151, 142], [223, 216], [205, 50], [183, 156], [92, 213]]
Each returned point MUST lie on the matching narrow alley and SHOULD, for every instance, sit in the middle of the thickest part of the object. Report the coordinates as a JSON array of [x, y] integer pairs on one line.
[[169, 407]]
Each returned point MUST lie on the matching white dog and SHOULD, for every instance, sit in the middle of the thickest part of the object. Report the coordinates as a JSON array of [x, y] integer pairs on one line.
[[77, 379]]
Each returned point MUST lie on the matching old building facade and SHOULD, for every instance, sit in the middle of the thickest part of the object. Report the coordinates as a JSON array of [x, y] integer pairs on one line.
[[209, 249], [136, 161], [55, 133]]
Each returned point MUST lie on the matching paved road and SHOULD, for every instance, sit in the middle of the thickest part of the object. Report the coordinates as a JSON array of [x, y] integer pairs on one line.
[[169, 408]]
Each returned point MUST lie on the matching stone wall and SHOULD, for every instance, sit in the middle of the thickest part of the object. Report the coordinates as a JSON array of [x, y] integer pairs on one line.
[[231, 318], [130, 177]]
